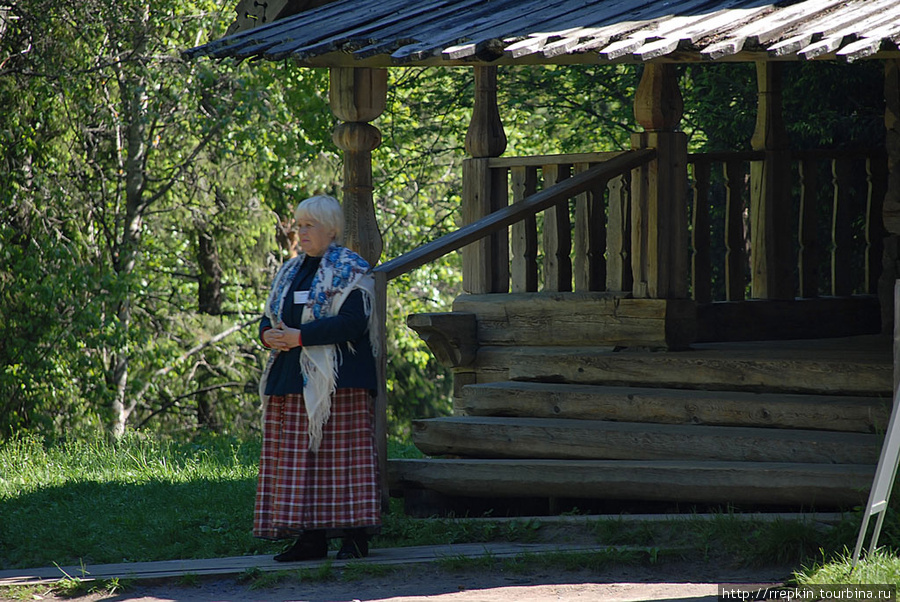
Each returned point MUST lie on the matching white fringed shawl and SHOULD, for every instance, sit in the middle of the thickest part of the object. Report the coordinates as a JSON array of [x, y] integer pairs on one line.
[[340, 272]]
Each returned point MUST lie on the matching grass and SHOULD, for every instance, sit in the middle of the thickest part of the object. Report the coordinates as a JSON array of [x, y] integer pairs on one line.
[[141, 500], [145, 499]]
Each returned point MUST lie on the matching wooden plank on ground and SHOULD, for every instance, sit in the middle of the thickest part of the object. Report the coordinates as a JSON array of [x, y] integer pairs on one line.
[[676, 406], [566, 439], [809, 485], [241, 564]]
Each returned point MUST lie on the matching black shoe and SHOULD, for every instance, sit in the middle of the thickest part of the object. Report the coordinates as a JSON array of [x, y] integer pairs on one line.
[[310, 546], [355, 546]]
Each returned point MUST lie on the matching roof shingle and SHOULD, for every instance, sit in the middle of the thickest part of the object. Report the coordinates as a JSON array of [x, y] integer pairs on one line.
[[452, 32]]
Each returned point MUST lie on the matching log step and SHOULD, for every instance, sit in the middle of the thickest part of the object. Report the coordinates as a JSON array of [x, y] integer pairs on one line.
[[788, 367], [494, 437], [814, 486], [676, 406]]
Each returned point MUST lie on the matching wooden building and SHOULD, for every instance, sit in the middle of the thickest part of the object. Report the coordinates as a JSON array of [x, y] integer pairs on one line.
[[606, 373]]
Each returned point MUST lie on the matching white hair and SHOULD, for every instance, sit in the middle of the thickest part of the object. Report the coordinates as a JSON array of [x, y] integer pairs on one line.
[[324, 209]]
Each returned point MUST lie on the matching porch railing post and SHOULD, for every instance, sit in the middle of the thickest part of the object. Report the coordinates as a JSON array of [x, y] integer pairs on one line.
[[358, 96], [770, 201], [485, 262], [659, 216]]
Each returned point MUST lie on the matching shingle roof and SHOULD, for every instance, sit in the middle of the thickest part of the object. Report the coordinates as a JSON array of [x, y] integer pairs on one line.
[[428, 32]]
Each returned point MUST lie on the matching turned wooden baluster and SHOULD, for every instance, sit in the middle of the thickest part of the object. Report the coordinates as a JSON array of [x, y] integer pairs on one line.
[[557, 238], [523, 241], [618, 235], [876, 176], [590, 237], [735, 257], [809, 254], [841, 231], [701, 264]]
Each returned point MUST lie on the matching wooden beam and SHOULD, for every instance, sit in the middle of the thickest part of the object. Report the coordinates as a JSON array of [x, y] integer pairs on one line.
[[515, 437], [576, 319], [381, 398], [792, 367], [677, 406], [779, 319], [812, 485]]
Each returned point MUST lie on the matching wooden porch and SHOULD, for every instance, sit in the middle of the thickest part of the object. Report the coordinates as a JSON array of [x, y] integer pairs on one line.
[[577, 389]]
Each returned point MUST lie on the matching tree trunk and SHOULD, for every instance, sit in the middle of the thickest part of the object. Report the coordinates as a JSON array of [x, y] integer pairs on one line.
[[132, 85], [209, 291]]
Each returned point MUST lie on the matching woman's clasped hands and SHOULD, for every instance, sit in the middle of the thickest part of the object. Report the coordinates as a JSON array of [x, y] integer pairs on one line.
[[282, 337]]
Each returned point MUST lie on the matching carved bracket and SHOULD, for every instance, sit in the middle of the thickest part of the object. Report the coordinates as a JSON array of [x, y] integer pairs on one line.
[[452, 337]]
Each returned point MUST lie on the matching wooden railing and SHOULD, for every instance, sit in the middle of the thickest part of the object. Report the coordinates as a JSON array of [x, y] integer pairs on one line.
[[836, 223], [593, 177], [581, 243], [590, 178]]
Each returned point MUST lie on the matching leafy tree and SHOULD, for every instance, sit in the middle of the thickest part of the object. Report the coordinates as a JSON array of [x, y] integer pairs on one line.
[[141, 200]]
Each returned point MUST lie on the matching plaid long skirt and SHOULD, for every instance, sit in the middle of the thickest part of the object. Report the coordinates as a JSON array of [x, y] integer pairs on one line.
[[334, 488]]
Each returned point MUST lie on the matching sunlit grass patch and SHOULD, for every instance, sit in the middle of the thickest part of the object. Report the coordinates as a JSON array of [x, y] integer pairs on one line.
[[142, 499], [879, 567]]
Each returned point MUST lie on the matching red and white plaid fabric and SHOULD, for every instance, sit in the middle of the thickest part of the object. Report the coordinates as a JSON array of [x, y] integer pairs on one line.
[[334, 488]]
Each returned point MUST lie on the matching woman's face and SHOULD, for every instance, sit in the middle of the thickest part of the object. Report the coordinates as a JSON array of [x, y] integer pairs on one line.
[[313, 236]]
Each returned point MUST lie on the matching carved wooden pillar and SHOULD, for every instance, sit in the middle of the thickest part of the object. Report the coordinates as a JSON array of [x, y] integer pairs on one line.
[[659, 216], [358, 96], [486, 262], [891, 208], [771, 258]]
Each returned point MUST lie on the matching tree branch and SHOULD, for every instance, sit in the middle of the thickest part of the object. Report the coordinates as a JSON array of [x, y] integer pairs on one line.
[[196, 349]]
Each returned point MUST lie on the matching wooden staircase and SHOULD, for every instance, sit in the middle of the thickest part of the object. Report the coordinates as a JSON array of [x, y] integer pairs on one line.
[[766, 424]]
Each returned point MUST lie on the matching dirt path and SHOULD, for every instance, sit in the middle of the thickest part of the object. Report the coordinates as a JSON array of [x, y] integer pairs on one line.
[[428, 583]]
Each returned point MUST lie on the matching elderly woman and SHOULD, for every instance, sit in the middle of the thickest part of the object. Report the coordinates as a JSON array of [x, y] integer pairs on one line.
[[318, 473]]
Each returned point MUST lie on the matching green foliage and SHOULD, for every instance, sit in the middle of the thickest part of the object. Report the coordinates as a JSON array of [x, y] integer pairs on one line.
[[720, 105], [567, 109], [141, 197]]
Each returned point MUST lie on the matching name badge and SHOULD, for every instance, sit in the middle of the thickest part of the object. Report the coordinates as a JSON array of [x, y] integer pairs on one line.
[[301, 297]]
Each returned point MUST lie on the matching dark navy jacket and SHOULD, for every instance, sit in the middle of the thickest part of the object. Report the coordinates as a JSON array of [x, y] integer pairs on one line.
[[356, 370]]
